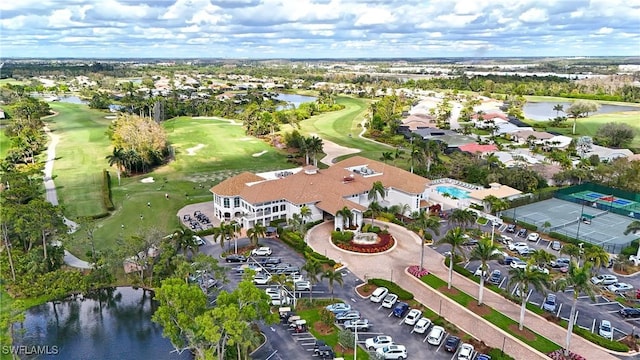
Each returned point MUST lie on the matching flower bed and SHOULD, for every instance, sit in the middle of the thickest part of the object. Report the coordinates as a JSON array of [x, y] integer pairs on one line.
[[386, 242], [559, 355], [417, 272]]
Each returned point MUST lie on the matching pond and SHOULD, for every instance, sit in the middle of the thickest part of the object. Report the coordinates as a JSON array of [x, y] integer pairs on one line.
[[295, 99], [115, 325], [544, 110]]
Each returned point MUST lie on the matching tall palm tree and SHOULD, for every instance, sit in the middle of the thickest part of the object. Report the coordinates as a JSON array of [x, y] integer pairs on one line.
[[578, 278], [424, 222], [430, 150], [557, 108], [314, 145], [455, 238], [313, 270], [347, 217], [462, 218], [224, 232], [332, 277], [484, 251], [633, 227], [525, 279], [377, 191], [541, 257], [375, 209], [117, 158], [255, 233], [492, 159], [597, 256], [305, 212]]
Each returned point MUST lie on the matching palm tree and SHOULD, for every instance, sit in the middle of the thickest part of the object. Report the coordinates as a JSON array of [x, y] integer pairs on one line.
[[386, 156], [397, 155], [541, 257], [377, 191], [597, 256], [525, 279], [117, 158], [633, 227], [455, 238], [313, 269], [347, 217], [375, 209], [572, 250], [578, 278], [314, 146], [492, 159], [462, 218], [224, 232], [332, 277], [484, 251], [305, 212], [424, 223], [557, 108], [495, 204], [430, 150], [255, 233], [183, 240]]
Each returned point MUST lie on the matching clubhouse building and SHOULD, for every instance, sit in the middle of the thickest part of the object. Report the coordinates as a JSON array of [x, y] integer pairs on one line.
[[261, 198]]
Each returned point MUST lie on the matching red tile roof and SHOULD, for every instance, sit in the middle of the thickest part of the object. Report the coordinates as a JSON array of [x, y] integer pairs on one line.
[[477, 148]]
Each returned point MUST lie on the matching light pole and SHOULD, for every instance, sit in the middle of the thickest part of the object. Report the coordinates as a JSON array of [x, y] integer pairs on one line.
[[355, 342], [493, 230], [421, 253]]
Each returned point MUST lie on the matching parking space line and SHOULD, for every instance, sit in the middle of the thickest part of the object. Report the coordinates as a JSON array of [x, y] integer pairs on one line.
[[559, 308], [444, 339], [593, 326]]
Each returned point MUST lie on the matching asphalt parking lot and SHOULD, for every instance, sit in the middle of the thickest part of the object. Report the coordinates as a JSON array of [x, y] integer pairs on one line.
[[589, 313]]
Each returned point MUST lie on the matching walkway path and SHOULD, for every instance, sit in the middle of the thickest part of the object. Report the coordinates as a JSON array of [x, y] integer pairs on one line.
[[333, 151], [392, 265]]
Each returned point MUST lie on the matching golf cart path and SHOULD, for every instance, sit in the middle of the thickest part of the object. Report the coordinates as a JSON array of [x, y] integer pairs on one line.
[[52, 196]]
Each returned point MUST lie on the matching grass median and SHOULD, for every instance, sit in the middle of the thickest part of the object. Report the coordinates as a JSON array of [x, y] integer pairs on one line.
[[504, 322]]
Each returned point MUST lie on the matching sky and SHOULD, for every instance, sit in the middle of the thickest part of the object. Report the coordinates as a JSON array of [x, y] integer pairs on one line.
[[318, 28]]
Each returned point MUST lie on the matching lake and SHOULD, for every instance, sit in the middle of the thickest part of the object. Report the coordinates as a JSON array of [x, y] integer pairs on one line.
[[295, 99], [115, 325], [544, 110]]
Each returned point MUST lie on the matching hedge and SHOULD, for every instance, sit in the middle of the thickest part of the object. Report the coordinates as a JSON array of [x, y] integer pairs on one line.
[[599, 340], [341, 236], [106, 191], [403, 294], [569, 239], [527, 226]]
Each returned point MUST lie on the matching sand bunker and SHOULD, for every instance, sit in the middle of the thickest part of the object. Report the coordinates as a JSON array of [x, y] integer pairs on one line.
[[192, 151], [147, 180], [260, 153]]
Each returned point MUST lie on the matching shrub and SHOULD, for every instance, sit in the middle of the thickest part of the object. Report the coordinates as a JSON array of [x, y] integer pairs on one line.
[[527, 226], [106, 191], [393, 288], [599, 340], [341, 237], [385, 243], [417, 272], [294, 240], [100, 216]]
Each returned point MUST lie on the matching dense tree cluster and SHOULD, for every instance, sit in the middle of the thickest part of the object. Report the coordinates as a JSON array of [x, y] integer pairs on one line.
[[615, 135], [619, 173]]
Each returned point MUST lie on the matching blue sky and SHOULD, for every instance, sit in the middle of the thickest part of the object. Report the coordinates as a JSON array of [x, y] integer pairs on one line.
[[318, 28]]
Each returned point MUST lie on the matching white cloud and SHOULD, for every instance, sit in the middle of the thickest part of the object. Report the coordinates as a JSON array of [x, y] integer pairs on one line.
[[374, 16], [534, 15], [604, 31]]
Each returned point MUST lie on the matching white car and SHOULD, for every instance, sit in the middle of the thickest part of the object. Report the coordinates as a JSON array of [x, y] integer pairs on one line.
[[605, 330], [261, 279], [294, 278], [518, 264], [523, 251], [198, 240], [465, 352], [261, 251], [619, 288], [412, 317], [481, 272], [436, 335], [379, 294], [393, 352], [377, 342], [604, 279], [422, 325], [302, 286], [540, 269], [533, 237], [389, 301]]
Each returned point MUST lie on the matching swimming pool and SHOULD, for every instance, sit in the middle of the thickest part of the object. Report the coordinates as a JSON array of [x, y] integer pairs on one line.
[[453, 191]]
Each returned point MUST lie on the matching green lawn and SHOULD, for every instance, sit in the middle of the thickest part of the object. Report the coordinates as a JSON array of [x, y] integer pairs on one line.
[[4, 144], [12, 82], [338, 125]]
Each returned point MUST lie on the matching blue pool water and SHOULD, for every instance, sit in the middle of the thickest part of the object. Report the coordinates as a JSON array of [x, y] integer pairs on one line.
[[453, 191], [622, 202]]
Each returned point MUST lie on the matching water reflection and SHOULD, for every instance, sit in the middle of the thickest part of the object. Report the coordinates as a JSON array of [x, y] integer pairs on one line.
[[111, 324]]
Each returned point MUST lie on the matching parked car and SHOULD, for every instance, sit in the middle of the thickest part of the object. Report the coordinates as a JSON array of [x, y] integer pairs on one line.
[[294, 278], [360, 324], [629, 312], [605, 330], [505, 239], [272, 291], [413, 317], [302, 286], [198, 240], [518, 264], [604, 279], [469, 241], [261, 251], [495, 277], [338, 307], [550, 303], [324, 352], [560, 263], [516, 245], [235, 258], [483, 357], [533, 237], [511, 228], [378, 342], [555, 245], [393, 352], [523, 251], [507, 260], [422, 325], [451, 345], [348, 315], [481, 272], [389, 301], [269, 261], [400, 309], [522, 233], [466, 352], [619, 288], [261, 279], [288, 270], [379, 294], [540, 269], [436, 335]]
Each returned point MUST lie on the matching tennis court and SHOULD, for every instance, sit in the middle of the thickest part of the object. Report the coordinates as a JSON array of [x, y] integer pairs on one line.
[[603, 228], [603, 201]]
